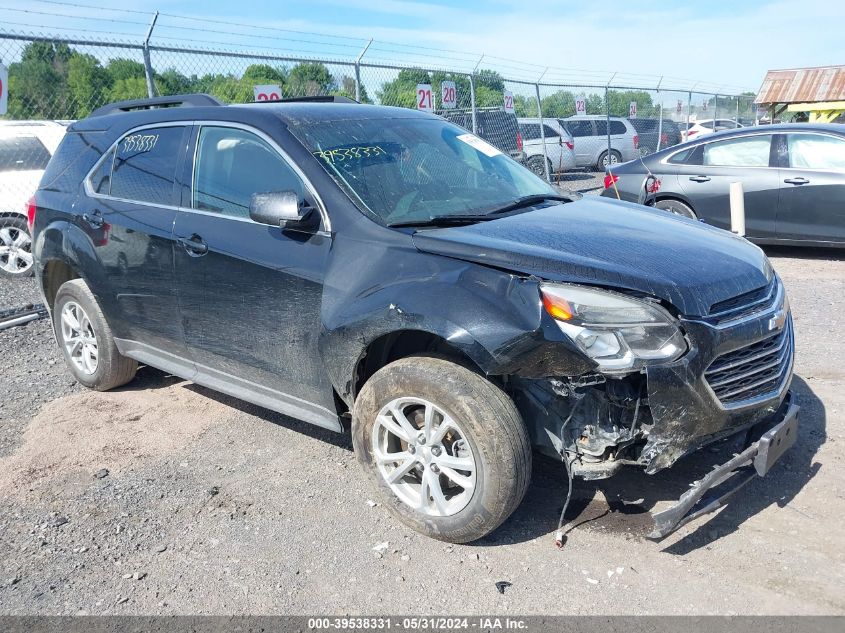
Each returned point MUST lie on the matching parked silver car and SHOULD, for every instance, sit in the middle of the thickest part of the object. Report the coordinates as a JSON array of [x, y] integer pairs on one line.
[[590, 135], [560, 146]]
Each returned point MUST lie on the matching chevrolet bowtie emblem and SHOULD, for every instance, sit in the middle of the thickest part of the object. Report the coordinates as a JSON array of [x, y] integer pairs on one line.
[[778, 320]]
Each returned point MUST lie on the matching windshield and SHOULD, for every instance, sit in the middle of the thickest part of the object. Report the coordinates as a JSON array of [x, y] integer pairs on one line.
[[410, 170]]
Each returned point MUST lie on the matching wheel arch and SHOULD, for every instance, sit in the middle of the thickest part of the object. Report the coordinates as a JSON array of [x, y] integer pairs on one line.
[[55, 273]]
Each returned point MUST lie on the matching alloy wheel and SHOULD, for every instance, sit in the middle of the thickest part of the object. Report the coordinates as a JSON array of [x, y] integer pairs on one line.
[[424, 456], [79, 338], [15, 250]]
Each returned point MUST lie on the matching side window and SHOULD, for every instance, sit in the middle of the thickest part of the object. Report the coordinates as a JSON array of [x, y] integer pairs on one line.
[[601, 127], [101, 177], [617, 127], [579, 128], [22, 153], [145, 165], [747, 151], [816, 151], [549, 132], [233, 164], [530, 131]]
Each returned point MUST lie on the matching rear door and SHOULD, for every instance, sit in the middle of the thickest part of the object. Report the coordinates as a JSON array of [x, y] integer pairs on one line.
[[811, 205], [128, 215], [706, 179], [250, 294], [584, 136]]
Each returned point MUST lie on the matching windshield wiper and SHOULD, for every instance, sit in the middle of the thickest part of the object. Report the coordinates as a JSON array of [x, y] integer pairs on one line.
[[489, 214]]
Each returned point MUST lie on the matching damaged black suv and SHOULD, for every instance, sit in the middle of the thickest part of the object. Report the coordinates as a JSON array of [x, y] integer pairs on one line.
[[383, 267]]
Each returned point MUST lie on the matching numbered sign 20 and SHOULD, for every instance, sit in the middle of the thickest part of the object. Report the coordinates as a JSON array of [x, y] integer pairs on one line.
[[632, 110], [580, 105], [425, 100], [267, 92], [448, 94], [508, 101]]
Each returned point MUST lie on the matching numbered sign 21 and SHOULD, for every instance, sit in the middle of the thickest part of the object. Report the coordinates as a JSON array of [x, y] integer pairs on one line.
[[632, 110], [425, 100], [448, 94], [508, 95], [267, 92], [580, 105]]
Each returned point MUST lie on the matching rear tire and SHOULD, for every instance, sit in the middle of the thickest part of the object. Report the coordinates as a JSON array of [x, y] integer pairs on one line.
[[615, 157], [676, 207], [15, 247], [535, 164], [485, 433], [86, 340]]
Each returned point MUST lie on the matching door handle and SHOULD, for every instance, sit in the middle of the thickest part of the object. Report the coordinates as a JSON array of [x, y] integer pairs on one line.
[[700, 178], [95, 220], [195, 245], [796, 181]]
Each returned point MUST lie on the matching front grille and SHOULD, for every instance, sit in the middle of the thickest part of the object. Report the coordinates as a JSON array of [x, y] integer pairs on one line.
[[744, 304], [753, 371]]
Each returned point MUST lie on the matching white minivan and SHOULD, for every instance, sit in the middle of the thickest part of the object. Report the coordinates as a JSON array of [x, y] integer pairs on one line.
[[559, 152]]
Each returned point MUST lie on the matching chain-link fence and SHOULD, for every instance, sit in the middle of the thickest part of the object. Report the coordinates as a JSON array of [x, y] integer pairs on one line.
[[584, 126]]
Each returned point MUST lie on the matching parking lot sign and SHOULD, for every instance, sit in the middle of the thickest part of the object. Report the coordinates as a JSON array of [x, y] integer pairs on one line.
[[425, 100], [680, 106], [267, 92], [508, 101], [632, 110], [581, 105], [4, 89], [448, 94]]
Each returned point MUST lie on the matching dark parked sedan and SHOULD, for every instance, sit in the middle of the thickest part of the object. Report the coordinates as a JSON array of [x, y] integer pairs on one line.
[[793, 176]]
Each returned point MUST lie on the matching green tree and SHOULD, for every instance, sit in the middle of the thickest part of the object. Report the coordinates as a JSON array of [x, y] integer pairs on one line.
[[346, 88], [172, 82], [558, 105], [402, 90], [120, 68], [38, 83], [265, 74], [129, 88], [88, 84], [310, 79], [491, 79]]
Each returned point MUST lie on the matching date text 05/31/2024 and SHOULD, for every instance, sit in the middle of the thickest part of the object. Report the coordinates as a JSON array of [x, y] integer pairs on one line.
[[428, 623]]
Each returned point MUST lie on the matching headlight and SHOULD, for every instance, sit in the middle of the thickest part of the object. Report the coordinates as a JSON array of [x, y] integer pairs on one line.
[[618, 332]]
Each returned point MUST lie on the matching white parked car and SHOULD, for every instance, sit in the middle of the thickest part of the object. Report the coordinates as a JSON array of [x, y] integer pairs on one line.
[[25, 149], [560, 148], [701, 127], [591, 138]]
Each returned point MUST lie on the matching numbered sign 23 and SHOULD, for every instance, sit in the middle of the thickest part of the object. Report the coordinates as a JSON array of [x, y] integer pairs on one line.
[[581, 105], [425, 100], [632, 110], [508, 101], [267, 92], [448, 94]]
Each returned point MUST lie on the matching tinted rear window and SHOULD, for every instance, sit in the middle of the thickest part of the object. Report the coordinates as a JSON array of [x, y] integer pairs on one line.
[[617, 127], [22, 153], [145, 165]]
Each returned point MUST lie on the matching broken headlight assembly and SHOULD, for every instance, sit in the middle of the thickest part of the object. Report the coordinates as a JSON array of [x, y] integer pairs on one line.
[[618, 332]]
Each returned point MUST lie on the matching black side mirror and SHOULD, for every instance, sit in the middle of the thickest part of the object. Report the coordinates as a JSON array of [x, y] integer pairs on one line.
[[279, 208]]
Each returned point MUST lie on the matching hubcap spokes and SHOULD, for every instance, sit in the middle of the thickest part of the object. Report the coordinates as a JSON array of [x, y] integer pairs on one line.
[[79, 338], [15, 250], [424, 456]]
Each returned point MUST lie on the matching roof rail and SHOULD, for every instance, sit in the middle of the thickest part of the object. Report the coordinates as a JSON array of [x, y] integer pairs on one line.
[[158, 102], [315, 99]]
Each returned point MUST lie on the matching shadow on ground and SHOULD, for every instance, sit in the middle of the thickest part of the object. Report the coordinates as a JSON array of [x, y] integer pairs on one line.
[[806, 252]]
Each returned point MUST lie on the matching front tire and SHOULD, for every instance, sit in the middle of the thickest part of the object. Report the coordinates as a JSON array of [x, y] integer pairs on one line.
[[676, 207], [86, 340], [15, 247], [536, 165], [445, 447]]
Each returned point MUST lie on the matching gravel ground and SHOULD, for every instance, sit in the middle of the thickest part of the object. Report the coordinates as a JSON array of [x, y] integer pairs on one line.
[[164, 497]]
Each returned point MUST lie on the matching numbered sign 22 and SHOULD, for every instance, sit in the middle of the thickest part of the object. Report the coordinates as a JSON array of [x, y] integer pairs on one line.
[[425, 100], [508, 95], [448, 94], [267, 92], [580, 105], [632, 110]]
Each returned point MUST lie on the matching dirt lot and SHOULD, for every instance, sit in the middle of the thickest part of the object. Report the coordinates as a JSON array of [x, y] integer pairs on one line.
[[164, 497]]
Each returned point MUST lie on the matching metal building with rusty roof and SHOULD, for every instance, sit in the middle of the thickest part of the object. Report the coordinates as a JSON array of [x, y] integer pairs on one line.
[[819, 91]]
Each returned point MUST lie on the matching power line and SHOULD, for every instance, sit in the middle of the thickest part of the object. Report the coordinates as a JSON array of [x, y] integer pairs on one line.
[[91, 6], [73, 17]]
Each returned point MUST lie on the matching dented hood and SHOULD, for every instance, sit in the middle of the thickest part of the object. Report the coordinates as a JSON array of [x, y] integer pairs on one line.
[[613, 244]]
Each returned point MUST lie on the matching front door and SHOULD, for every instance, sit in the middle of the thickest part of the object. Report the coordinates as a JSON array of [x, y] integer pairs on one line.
[[707, 175], [250, 294], [812, 192]]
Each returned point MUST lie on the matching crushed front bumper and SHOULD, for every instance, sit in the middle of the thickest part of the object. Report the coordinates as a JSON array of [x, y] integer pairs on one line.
[[754, 461]]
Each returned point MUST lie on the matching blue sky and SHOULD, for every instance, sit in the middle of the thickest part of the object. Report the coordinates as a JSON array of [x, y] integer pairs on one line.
[[715, 42]]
